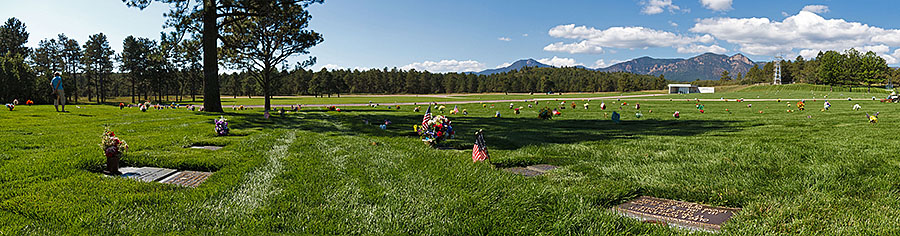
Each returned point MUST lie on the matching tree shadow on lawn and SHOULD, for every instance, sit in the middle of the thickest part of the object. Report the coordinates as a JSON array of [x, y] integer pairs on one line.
[[500, 133], [314, 120], [515, 133]]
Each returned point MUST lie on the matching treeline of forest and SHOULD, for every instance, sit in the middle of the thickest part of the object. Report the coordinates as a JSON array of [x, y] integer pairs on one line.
[[170, 69], [394, 81], [848, 68]]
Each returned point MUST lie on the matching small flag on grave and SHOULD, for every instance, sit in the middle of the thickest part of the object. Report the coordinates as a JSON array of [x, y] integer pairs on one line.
[[479, 151], [426, 118]]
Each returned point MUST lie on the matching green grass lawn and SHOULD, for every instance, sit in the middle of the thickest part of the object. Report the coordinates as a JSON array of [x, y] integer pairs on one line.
[[357, 99], [796, 91], [317, 172]]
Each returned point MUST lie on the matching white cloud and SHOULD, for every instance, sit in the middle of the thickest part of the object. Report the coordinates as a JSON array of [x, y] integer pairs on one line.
[[338, 67], [559, 62], [594, 40], [809, 53], [673, 24], [446, 66], [892, 59], [816, 9], [524, 35], [880, 49], [602, 64], [580, 47], [505, 64], [805, 32], [785, 14], [332, 67], [504, 39], [717, 5], [693, 48], [658, 6]]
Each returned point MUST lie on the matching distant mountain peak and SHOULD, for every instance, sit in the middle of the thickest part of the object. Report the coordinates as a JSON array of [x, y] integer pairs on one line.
[[517, 65], [741, 58], [706, 66]]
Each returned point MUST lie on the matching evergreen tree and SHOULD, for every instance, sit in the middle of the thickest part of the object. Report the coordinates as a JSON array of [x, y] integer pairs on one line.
[[726, 76], [13, 36], [97, 60]]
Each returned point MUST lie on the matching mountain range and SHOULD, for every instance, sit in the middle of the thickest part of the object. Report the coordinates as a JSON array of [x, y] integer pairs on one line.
[[707, 66]]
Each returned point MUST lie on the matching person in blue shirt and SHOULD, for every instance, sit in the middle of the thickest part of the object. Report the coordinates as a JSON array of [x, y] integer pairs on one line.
[[57, 84]]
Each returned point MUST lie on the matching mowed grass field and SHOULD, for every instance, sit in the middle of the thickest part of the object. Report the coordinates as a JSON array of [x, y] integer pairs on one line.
[[789, 91], [227, 102], [316, 172]]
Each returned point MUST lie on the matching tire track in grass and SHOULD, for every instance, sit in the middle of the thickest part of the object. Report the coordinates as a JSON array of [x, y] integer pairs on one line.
[[258, 184]]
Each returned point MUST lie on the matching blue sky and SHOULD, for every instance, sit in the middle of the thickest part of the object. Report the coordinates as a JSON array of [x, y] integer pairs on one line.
[[472, 35]]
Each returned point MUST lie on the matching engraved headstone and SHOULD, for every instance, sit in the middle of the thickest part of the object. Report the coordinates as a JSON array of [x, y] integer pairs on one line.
[[148, 174], [677, 213], [523, 171], [187, 178], [211, 148], [530, 171], [542, 168]]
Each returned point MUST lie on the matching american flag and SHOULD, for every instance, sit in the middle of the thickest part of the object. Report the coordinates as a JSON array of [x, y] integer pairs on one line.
[[426, 118], [479, 151]]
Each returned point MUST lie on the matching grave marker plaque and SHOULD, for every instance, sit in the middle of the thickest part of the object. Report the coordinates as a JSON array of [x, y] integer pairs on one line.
[[531, 171], [677, 213], [522, 171], [542, 168], [148, 174], [187, 178], [211, 148]]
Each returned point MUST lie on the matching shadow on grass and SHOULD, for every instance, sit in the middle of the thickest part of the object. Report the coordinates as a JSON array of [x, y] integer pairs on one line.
[[502, 133], [515, 133]]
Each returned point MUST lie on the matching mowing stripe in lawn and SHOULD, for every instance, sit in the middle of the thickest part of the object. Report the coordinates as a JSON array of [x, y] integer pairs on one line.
[[258, 184]]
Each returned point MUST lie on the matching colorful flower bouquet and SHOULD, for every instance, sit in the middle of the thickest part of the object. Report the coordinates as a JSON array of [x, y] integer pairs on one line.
[[545, 114], [113, 148], [435, 130], [222, 127]]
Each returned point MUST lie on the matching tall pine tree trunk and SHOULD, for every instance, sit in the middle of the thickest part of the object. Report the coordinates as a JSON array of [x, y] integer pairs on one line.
[[211, 100], [132, 89]]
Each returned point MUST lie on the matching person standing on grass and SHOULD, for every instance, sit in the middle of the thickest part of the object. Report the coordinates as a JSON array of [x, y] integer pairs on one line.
[[57, 85]]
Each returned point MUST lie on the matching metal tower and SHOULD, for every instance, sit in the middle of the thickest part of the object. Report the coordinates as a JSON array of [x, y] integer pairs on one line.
[[777, 79]]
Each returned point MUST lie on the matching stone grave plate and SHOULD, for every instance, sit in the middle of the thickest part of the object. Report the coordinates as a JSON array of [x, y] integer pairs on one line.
[[542, 168], [677, 213], [148, 174], [211, 148], [187, 178], [522, 171]]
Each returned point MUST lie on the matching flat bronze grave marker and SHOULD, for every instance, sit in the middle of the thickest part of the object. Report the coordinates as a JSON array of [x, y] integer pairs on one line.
[[211, 148], [677, 213], [187, 178], [166, 176], [147, 174], [531, 171], [542, 168], [522, 171]]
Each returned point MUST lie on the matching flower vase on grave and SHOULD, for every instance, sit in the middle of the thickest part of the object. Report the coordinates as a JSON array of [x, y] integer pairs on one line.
[[112, 165], [113, 148]]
